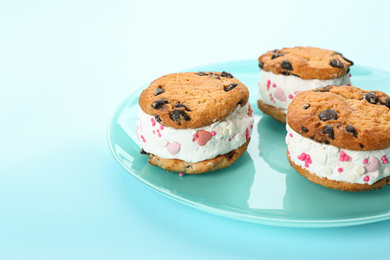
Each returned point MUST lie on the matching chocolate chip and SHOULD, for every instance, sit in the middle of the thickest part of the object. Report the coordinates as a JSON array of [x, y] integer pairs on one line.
[[348, 70], [143, 151], [239, 102], [157, 118], [276, 55], [286, 65], [323, 89], [261, 65], [304, 129], [337, 53], [159, 103], [285, 73], [306, 106], [312, 137], [158, 91], [276, 50], [336, 63], [176, 115], [387, 102], [328, 114], [215, 76], [226, 75], [371, 97], [348, 61], [201, 73], [352, 130], [328, 130], [296, 75], [230, 87], [326, 142], [181, 105], [361, 146]]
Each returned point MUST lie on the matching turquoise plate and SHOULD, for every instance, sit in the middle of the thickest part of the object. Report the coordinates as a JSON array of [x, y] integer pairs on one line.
[[261, 186]]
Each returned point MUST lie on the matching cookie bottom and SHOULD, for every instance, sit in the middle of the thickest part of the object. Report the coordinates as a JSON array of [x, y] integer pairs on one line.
[[338, 185], [276, 113], [219, 162]]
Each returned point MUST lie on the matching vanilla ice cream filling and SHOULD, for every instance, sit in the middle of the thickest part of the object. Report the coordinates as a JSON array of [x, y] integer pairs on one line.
[[363, 167], [279, 90], [195, 144]]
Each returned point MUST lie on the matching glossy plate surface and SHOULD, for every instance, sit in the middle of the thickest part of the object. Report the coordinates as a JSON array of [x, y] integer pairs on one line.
[[261, 186]]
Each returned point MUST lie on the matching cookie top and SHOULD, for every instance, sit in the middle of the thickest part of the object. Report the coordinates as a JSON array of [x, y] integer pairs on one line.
[[193, 99], [346, 117], [306, 63]]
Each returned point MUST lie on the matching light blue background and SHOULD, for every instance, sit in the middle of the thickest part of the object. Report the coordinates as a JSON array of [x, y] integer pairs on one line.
[[64, 68]]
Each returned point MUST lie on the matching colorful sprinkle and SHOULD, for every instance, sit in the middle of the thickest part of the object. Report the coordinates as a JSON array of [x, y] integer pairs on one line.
[[181, 174], [384, 159], [344, 157], [161, 127], [290, 96], [290, 134], [366, 179], [274, 85], [340, 169], [212, 133], [268, 84], [247, 134], [365, 161], [305, 158]]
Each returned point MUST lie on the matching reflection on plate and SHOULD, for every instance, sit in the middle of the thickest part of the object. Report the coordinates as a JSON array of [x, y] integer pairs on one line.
[[261, 186]]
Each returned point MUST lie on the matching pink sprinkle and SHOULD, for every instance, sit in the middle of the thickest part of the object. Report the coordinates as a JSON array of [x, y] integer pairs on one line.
[[309, 161], [288, 152], [299, 157], [268, 83], [365, 161], [230, 139], [195, 136], [290, 96], [181, 174], [350, 75], [154, 132], [346, 158], [348, 84], [385, 161], [383, 157], [340, 169], [153, 123], [306, 165], [341, 159], [274, 85], [159, 135], [212, 133], [291, 135], [251, 126], [247, 134], [342, 153], [152, 119], [143, 139], [367, 178], [161, 127], [308, 156]]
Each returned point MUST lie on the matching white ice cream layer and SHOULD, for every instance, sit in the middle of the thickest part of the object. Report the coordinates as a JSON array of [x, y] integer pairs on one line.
[[196, 144], [364, 167], [279, 90]]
